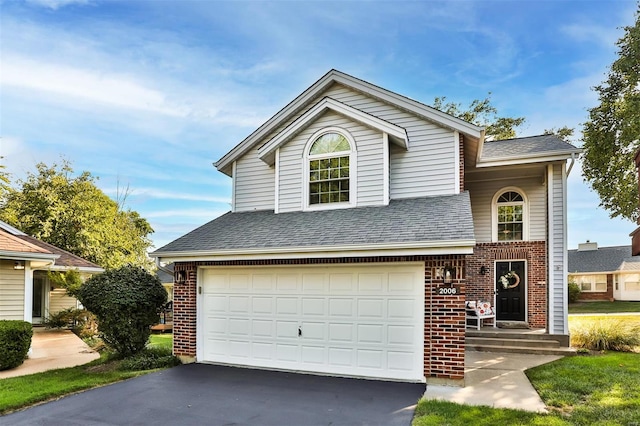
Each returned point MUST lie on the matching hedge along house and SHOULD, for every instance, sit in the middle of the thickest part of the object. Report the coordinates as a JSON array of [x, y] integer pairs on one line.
[[361, 220], [25, 290]]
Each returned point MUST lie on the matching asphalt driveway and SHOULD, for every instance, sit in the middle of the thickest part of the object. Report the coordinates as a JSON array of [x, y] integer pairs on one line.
[[200, 394]]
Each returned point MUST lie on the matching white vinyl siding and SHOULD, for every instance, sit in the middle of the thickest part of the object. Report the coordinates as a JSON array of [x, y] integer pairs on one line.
[[558, 274], [428, 168], [59, 300], [482, 194], [11, 291], [369, 179], [254, 184]]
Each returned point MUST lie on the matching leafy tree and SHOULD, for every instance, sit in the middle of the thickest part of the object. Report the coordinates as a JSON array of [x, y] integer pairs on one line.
[[482, 113], [69, 280], [565, 133], [72, 213], [4, 180], [126, 302], [612, 133]]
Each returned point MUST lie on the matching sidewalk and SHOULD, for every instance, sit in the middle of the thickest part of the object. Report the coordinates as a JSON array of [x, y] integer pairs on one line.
[[497, 380], [51, 349]]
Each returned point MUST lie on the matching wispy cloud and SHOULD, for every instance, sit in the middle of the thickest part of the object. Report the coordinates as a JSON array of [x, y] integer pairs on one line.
[[207, 214], [167, 195], [57, 4]]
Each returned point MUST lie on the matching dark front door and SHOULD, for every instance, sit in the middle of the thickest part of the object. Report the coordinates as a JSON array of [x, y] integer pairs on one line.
[[510, 291]]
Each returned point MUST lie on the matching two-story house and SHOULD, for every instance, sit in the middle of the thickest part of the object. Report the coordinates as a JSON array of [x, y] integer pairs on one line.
[[361, 220]]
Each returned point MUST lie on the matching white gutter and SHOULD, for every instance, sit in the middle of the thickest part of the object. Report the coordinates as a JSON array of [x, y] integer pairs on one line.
[[21, 255], [262, 253]]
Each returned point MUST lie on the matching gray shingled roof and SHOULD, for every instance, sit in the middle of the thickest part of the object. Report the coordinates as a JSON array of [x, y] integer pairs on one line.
[[604, 259], [165, 273], [428, 219], [523, 147]]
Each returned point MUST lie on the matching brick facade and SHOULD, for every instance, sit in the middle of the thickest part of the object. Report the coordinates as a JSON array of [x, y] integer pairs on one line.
[[482, 287], [444, 315]]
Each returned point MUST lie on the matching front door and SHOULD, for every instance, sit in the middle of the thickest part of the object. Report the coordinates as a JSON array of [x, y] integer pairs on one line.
[[39, 293], [510, 290]]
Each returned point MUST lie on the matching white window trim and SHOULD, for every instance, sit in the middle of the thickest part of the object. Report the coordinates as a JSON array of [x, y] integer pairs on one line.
[[494, 214], [353, 180], [592, 281]]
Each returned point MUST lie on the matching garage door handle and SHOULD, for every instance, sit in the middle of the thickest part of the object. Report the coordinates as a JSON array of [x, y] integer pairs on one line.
[[299, 331]]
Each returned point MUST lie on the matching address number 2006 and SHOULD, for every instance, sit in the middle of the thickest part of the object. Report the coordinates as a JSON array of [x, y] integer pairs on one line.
[[447, 291]]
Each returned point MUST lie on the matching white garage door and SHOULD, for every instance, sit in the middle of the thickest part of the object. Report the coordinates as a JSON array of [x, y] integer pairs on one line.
[[341, 320]]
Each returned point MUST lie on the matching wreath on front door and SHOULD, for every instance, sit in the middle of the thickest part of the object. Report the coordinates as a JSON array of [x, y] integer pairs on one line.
[[506, 280]]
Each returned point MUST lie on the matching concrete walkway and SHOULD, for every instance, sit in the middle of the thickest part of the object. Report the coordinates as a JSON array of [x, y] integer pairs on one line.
[[497, 380], [51, 349]]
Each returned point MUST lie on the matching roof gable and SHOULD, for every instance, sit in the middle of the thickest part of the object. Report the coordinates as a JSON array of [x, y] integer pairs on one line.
[[397, 134], [303, 100]]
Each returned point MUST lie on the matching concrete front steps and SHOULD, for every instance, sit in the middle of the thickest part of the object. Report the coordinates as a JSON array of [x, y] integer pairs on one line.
[[523, 342]]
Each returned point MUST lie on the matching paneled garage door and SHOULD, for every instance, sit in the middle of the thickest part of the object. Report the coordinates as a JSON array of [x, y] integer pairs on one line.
[[340, 320]]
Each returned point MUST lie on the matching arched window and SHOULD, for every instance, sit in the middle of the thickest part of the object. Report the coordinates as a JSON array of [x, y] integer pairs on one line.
[[330, 169], [509, 216]]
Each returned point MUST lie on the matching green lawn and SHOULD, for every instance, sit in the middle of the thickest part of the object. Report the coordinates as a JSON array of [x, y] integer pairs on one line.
[[581, 390], [603, 307], [164, 340], [19, 392]]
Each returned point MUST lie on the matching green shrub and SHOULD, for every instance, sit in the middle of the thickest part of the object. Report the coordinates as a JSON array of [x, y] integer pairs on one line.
[[15, 340], [604, 335], [574, 292], [149, 359], [82, 322], [126, 302]]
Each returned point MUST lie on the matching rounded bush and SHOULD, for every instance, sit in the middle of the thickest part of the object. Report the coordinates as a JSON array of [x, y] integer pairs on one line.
[[126, 302], [15, 340]]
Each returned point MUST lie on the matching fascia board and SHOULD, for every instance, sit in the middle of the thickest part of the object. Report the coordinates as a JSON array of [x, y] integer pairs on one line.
[[404, 249], [593, 272], [414, 106], [332, 76], [21, 255], [273, 122], [515, 160], [267, 151], [77, 268]]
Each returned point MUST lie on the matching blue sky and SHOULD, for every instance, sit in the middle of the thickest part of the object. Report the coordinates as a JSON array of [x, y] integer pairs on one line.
[[150, 93]]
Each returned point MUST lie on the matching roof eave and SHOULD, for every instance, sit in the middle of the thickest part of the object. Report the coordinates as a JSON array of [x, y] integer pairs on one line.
[[383, 249], [21, 255], [529, 159]]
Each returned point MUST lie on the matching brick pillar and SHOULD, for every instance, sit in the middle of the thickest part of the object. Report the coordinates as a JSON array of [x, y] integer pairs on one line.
[[184, 311], [444, 330]]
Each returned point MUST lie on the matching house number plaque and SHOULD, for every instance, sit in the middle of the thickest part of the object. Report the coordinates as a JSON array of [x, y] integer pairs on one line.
[[447, 291]]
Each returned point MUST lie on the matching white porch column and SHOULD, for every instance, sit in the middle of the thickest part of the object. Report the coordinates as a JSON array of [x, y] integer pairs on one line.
[[28, 292]]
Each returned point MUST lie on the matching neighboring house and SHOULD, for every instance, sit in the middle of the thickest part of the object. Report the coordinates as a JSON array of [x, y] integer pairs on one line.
[[361, 220], [165, 275], [605, 273], [25, 291]]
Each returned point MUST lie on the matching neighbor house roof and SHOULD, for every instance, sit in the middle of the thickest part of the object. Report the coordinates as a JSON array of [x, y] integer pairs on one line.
[[165, 273], [415, 223], [66, 259], [602, 259], [531, 149], [15, 244]]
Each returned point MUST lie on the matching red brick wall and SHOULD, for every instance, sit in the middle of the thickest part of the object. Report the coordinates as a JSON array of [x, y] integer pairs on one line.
[[444, 324], [482, 287]]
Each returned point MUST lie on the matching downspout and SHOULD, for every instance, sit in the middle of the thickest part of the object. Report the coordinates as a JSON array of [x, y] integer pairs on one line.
[[573, 160]]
